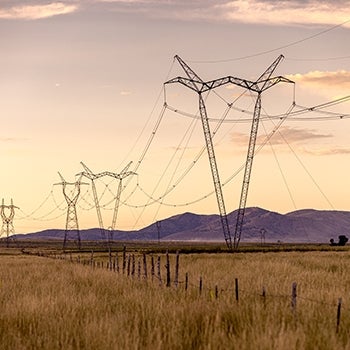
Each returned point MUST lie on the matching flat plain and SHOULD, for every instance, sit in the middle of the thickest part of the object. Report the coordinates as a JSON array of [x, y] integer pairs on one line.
[[51, 300]]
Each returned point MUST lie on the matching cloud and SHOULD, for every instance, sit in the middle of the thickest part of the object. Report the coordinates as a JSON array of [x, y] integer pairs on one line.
[[336, 80], [285, 134], [272, 12], [36, 11], [11, 139], [125, 93], [286, 12], [328, 151]]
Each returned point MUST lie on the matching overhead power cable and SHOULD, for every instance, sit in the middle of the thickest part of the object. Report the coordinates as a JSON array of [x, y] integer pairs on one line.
[[293, 43]]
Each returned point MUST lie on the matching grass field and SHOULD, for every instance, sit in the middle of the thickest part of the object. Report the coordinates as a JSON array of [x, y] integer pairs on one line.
[[58, 304]]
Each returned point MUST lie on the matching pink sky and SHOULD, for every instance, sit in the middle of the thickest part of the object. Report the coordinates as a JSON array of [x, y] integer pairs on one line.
[[82, 81]]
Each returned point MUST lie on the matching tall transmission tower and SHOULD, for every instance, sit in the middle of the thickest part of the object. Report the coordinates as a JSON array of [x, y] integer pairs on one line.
[[195, 83], [91, 176], [71, 197], [7, 214]]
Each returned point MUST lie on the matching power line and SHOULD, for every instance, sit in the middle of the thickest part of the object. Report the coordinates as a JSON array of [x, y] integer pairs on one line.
[[293, 43]]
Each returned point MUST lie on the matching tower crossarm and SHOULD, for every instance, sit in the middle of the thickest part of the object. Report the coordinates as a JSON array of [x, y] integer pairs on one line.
[[266, 84]]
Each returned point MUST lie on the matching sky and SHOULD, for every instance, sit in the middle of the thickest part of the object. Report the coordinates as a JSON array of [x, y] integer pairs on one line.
[[83, 81]]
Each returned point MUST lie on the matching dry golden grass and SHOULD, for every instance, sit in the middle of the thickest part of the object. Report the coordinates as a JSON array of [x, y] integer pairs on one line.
[[55, 304]]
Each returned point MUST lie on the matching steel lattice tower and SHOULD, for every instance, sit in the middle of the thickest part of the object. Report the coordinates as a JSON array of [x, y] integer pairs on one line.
[[92, 177], [195, 83], [72, 226], [7, 228]]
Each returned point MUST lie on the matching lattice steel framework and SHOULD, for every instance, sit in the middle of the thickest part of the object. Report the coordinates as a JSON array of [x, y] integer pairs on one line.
[[71, 197], [7, 215], [92, 177], [195, 83]]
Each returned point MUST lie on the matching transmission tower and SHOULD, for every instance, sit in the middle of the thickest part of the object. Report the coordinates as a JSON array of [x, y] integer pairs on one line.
[[7, 228], [91, 176], [71, 197], [195, 83]]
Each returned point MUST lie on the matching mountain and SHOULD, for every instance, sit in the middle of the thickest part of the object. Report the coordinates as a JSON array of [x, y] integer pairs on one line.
[[308, 225]]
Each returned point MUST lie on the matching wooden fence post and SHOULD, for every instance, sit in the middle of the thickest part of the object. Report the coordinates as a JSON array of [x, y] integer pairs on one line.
[[138, 268], [294, 297], [152, 267], [158, 271], [124, 259], [92, 258], [117, 262], [200, 285], [133, 265], [186, 281], [167, 266], [338, 314], [216, 292], [176, 281], [128, 265], [144, 266], [263, 294], [236, 290]]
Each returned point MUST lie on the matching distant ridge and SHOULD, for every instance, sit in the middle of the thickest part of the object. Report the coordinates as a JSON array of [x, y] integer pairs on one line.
[[307, 225]]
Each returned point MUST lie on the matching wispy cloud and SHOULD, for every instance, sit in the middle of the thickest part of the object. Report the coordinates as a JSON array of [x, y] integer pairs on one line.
[[286, 12], [36, 11], [285, 134], [328, 151], [125, 92], [272, 12], [335, 80]]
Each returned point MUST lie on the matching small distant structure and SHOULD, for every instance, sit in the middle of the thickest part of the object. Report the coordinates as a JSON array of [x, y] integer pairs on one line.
[[342, 240]]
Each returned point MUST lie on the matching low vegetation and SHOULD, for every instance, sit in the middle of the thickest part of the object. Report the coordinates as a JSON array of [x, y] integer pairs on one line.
[[51, 303]]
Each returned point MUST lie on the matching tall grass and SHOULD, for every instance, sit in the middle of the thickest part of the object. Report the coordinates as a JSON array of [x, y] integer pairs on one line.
[[54, 304]]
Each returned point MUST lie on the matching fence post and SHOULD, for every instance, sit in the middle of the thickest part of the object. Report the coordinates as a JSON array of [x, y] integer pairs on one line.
[[186, 281], [124, 259], [176, 281], [294, 297], [338, 314], [158, 271], [216, 292], [263, 294], [167, 266], [92, 258], [128, 265], [152, 267], [145, 266], [200, 285], [138, 268], [117, 262], [236, 290], [133, 265]]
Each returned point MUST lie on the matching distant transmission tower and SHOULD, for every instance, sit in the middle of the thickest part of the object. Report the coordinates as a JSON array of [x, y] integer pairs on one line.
[[91, 176], [7, 228], [72, 226]]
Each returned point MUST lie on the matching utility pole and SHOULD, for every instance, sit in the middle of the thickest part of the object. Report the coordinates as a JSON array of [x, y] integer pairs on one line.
[[72, 226], [7, 228]]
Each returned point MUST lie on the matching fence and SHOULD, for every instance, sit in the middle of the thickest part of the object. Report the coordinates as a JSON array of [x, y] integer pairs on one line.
[[136, 266]]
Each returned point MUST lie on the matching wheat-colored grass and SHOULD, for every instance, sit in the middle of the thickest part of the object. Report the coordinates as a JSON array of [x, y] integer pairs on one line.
[[55, 304]]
